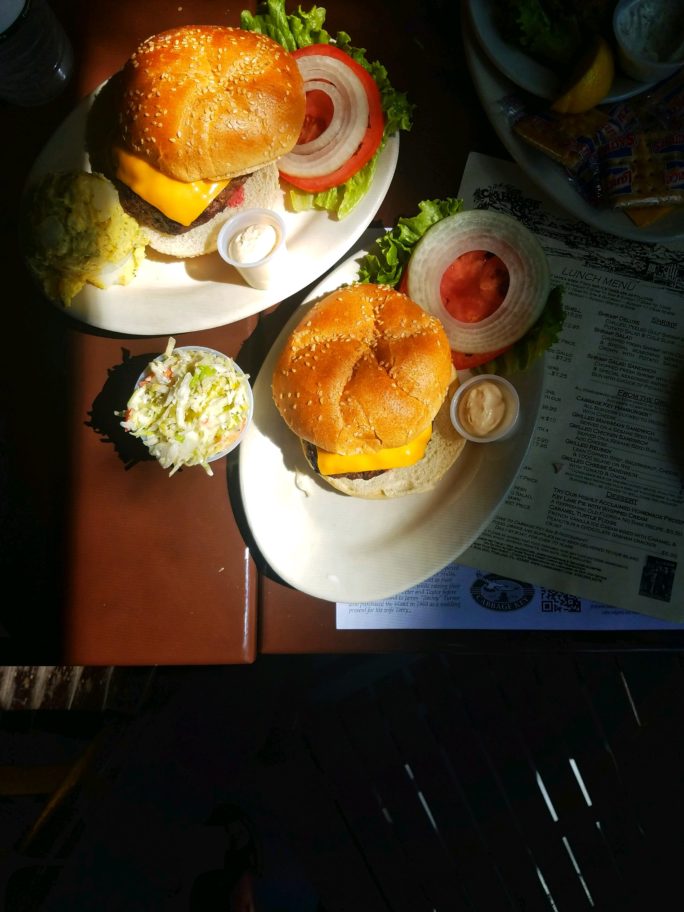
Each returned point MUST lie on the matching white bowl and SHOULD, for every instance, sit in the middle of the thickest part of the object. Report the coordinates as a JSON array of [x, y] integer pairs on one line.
[[258, 268], [511, 402], [650, 38], [248, 389]]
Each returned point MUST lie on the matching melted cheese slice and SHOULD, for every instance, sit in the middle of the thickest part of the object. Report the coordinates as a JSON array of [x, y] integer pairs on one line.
[[391, 458], [178, 200]]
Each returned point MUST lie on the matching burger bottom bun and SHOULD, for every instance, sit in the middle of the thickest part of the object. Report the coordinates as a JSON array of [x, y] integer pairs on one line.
[[444, 448], [261, 191]]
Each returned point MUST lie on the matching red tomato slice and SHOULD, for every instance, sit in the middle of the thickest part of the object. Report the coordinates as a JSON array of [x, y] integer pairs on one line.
[[319, 112], [461, 360], [317, 117], [464, 361], [474, 286]]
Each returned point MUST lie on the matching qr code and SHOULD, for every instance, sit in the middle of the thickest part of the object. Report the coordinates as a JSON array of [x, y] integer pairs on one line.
[[657, 578], [552, 600]]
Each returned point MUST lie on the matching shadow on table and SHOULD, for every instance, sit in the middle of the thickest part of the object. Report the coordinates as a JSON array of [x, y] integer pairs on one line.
[[111, 400], [252, 356], [675, 421], [233, 483]]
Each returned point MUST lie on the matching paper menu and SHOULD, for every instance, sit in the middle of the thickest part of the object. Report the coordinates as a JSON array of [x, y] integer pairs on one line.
[[597, 510], [462, 598]]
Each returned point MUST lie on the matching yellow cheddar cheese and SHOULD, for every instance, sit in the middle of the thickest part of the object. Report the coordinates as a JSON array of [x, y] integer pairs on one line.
[[178, 200], [391, 458]]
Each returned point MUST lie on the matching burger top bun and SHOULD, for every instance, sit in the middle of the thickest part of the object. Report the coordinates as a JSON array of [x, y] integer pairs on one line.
[[365, 369], [208, 101]]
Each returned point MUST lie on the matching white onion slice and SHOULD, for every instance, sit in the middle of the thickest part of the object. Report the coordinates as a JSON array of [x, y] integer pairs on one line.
[[521, 253], [336, 125], [343, 135]]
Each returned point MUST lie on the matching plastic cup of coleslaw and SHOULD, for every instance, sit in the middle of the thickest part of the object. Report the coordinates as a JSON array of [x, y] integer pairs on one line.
[[190, 406]]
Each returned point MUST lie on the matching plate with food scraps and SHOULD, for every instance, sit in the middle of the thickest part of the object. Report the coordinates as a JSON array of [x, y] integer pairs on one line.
[[525, 72], [493, 87], [347, 549], [171, 295]]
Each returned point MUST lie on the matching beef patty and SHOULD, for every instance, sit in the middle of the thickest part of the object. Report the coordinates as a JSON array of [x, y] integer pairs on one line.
[[312, 456], [146, 214]]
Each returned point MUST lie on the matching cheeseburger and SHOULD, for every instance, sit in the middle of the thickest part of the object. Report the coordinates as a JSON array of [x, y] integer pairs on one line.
[[364, 381], [200, 116]]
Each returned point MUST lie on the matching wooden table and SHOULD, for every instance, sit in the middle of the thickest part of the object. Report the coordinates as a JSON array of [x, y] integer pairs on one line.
[[110, 561]]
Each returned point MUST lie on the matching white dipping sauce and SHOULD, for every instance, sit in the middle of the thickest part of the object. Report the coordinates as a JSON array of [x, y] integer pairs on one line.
[[253, 243], [482, 408]]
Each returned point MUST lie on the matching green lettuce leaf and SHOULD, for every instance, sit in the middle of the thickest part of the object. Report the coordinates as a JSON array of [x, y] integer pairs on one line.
[[385, 263], [300, 29], [293, 31], [553, 32], [397, 109]]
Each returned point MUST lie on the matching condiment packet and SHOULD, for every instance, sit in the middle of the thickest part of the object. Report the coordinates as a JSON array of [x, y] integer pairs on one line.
[[643, 169], [628, 155], [568, 139], [572, 140]]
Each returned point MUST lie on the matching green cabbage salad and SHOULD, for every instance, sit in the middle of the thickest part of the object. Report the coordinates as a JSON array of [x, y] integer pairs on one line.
[[300, 29], [385, 264], [190, 406], [553, 32]]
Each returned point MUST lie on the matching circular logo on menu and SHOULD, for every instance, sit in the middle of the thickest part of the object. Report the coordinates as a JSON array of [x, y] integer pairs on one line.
[[500, 594]]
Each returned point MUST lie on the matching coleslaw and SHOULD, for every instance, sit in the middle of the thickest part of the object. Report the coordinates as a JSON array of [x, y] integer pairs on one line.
[[189, 407]]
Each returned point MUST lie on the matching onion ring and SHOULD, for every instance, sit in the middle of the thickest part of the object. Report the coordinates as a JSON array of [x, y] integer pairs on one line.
[[336, 125], [343, 135], [521, 253]]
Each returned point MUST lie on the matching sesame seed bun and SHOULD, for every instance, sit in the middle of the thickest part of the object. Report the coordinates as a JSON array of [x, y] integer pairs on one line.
[[366, 369], [210, 102]]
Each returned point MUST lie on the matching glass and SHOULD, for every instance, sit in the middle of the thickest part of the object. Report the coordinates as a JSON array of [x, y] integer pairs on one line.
[[36, 57]]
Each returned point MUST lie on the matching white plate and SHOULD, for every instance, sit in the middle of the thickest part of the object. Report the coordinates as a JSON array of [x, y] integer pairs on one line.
[[345, 549], [176, 296], [525, 72], [492, 87]]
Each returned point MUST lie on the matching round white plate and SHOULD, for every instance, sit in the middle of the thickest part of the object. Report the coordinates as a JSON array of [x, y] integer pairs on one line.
[[492, 87], [522, 70], [345, 549], [175, 296]]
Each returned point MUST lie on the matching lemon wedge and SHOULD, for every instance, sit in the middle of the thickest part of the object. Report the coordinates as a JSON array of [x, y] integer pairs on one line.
[[590, 81]]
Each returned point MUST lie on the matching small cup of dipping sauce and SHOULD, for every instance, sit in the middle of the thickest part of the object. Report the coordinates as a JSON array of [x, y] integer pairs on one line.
[[485, 408], [650, 38], [253, 242]]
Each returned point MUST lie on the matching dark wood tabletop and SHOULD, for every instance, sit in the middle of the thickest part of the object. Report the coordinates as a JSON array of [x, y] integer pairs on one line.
[[107, 560], [112, 562]]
